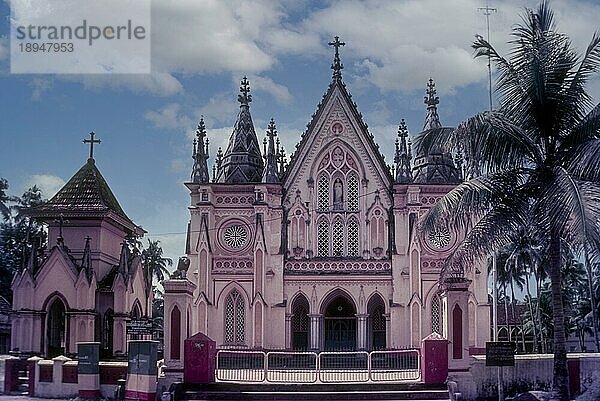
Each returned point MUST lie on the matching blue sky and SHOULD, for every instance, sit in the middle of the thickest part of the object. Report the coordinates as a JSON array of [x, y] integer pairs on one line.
[[201, 49]]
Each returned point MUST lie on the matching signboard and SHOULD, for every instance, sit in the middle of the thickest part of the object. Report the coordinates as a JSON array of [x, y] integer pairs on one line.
[[88, 355], [500, 353], [142, 357], [139, 326]]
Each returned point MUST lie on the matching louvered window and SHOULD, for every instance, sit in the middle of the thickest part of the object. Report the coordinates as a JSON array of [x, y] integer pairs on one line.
[[323, 239], [353, 238], [234, 318], [436, 314], [338, 238], [353, 193], [323, 193]]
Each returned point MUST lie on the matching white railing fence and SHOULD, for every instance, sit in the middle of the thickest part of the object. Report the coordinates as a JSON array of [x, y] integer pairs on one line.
[[248, 366]]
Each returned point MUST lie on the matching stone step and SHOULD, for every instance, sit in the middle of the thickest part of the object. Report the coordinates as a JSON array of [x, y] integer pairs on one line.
[[316, 392]]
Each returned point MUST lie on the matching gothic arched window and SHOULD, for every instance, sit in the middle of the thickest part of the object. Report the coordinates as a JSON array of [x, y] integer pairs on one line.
[[338, 238], [323, 238], [353, 248], [353, 193], [234, 318], [436, 314], [323, 193]]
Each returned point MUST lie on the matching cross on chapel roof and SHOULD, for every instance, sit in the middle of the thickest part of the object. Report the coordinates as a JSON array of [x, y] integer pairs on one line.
[[337, 65]]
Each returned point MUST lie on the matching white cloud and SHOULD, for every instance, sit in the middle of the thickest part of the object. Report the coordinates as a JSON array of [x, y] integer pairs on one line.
[[171, 117], [278, 91], [4, 52], [160, 84], [39, 86], [48, 184]]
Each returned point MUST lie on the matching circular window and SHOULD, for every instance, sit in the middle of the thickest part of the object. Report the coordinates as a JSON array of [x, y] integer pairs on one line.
[[440, 238], [235, 236]]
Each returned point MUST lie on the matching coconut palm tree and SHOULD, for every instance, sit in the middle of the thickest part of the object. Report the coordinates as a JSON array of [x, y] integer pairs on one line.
[[155, 263], [5, 209], [539, 152]]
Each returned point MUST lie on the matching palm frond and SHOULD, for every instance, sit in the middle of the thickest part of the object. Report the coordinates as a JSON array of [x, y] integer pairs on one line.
[[584, 161], [493, 231], [572, 207], [470, 200]]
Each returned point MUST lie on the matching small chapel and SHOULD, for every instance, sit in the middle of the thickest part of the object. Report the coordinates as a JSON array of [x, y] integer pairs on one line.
[[321, 253], [89, 281]]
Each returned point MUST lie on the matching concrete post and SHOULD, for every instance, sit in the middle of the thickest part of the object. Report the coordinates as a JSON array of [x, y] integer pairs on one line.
[[315, 331], [88, 370], [455, 299], [361, 332]]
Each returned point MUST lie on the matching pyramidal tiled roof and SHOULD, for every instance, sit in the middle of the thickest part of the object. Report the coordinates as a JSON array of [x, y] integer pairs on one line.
[[87, 193]]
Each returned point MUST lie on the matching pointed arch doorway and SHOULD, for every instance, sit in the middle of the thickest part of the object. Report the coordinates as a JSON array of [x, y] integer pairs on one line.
[[56, 328], [340, 323]]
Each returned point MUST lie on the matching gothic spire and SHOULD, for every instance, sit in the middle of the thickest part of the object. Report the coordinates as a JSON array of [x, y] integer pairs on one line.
[[86, 259], [402, 159], [200, 156], [337, 65], [242, 162], [124, 261], [270, 174], [437, 166], [432, 119]]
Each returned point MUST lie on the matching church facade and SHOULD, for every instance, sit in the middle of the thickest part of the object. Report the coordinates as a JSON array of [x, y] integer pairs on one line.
[[321, 253], [89, 281]]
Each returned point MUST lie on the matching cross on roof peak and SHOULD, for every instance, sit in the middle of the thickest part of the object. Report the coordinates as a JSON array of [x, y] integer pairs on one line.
[[337, 65], [91, 141]]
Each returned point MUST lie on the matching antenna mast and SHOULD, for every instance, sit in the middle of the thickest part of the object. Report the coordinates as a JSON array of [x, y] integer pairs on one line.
[[487, 11]]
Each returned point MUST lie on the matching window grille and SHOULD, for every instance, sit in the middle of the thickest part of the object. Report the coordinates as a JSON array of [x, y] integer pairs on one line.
[[323, 193], [338, 238], [436, 314], [323, 238], [353, 193], [234, 319], [353, 238]]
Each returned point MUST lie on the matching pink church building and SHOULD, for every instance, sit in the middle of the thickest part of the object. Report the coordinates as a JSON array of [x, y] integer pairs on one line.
[[321, 253], [88, 282]]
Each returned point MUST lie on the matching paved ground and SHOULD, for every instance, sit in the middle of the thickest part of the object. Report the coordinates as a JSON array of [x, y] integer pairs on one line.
[[25, 398]]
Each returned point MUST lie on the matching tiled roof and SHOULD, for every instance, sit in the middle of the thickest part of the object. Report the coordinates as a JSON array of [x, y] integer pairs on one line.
[[86, 192]]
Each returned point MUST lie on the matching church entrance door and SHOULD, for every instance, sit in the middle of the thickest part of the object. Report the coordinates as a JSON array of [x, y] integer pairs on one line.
[[56, 328], [340, 325]]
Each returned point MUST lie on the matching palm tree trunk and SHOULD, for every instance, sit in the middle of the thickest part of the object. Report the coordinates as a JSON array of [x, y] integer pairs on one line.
[[506, 319], [560, 383], [538, 312], [512, 306], [529, 304], [588, 269]]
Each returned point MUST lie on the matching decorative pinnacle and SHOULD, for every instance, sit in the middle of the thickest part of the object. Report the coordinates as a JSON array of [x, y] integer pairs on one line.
[[402, 130], [245, 97], [431, 99], [337, 65], [201, 131]]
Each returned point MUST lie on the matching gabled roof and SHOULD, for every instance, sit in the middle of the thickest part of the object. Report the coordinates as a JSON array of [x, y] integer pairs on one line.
[[86, 194], [337, 83]]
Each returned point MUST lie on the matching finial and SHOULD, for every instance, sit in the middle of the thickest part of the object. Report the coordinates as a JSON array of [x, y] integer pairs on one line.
[[91, 141], [337, 65], [265, 147], [200, 168], [244, 97], [402, 130], [214, 172], [431, 99], [432, 119], [270, 173], [219, 157]]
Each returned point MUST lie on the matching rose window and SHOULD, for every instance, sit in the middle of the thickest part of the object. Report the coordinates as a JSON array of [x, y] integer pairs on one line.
[[235, 236]]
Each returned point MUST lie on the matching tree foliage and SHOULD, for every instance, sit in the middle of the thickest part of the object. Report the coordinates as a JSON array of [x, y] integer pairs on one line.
[[539, 154]]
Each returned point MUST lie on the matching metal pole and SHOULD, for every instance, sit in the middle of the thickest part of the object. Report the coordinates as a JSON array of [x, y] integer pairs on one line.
[[495, 325]]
